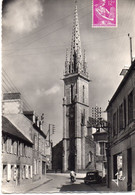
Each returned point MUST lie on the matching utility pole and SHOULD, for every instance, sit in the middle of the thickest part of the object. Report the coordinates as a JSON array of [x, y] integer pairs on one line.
[[130, 38]]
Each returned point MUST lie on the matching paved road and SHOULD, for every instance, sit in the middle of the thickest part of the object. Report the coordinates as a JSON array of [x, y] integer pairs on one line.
[[61, 183]]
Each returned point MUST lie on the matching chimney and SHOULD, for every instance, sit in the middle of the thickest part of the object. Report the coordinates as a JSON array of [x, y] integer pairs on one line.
[[12, 103], [124, 71], [30, 115]]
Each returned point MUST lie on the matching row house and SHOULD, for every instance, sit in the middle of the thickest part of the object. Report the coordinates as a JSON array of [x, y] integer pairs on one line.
[[121, 127], [39, 147], [23, 143]]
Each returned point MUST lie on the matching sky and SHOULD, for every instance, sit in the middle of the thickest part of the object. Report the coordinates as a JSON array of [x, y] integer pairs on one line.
[[35, 35]]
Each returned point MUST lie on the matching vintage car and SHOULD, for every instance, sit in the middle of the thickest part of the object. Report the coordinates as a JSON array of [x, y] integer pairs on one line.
[[92, 177]]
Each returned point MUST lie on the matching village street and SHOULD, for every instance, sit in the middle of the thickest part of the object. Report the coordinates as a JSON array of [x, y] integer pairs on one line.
[[61, 183]]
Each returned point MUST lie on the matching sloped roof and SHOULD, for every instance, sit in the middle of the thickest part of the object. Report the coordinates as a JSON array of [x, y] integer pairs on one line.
[[18, 125]]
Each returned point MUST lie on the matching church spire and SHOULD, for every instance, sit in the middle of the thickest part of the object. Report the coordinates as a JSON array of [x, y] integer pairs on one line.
[[76, 62], [76, 54]]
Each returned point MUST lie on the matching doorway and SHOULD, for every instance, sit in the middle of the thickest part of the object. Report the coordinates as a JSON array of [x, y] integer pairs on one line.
[[129, 169]]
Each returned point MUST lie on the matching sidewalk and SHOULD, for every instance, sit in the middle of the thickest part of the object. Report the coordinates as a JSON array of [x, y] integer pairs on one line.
[[25, 188]]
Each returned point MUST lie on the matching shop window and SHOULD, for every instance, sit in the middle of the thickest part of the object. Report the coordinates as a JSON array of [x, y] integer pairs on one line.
[[130, 107], [117, 166]]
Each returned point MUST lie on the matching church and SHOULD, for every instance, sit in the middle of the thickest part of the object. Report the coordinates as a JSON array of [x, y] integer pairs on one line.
[[83, 147], [78, 146]]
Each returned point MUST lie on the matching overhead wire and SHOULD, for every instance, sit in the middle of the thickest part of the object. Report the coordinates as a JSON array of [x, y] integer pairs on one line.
[[10, 87], [46, 26]]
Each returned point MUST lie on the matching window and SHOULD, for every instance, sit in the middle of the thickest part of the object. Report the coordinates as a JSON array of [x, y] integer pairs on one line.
[[114, 124], [12, 146], [4, 172], [71, 93], [12, 172], [125, 112], [117, 166], [21, 149], [8, 145], [35, 167], [83, 93], [8, 172], [120, 117], [102, 148], [15, 147], [130, 107], [35, 142], [4, 148], [23, 172], [90, 156]]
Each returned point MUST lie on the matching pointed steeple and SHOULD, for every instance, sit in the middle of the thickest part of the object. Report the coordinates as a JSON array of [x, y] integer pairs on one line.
[[76, 54], [76, 63]]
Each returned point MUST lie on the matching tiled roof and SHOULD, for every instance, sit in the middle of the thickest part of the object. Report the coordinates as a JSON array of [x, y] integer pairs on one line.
[[18, 125]]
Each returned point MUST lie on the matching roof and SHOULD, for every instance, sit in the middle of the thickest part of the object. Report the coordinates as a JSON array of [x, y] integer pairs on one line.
[[21, 123], [8, 127], [132, 67]]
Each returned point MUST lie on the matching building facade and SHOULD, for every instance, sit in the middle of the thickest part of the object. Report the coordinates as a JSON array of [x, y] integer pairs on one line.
[[100, 136], [121, 121], [16, 155], [23, 143], [75, 106]]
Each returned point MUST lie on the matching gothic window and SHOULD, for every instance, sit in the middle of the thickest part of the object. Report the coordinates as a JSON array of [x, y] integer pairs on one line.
[[83, 93], [130, 107], [71, 93]]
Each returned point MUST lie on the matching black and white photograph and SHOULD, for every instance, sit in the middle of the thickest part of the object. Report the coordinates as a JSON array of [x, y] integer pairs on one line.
[[67, 96]]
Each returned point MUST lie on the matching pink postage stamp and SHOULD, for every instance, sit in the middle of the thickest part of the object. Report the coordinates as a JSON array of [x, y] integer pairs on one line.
[[104, 13]]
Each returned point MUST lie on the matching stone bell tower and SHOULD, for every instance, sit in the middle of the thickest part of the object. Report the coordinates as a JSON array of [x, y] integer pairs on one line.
[[75, 103]]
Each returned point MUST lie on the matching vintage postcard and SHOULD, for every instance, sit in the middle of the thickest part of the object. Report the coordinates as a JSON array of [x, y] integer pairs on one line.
[[68, 96]]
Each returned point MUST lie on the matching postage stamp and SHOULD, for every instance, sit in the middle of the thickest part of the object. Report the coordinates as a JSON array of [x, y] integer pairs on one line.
[[104, 13]]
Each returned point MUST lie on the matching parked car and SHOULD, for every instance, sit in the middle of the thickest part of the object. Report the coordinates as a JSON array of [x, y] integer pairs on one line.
[[92, 177]]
